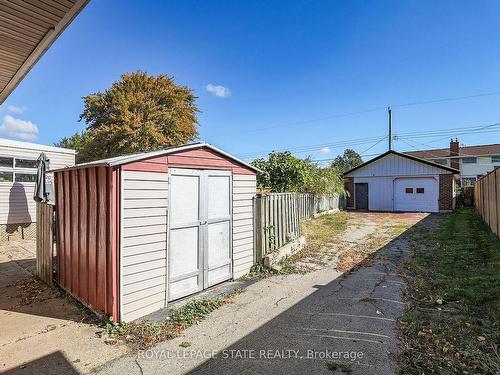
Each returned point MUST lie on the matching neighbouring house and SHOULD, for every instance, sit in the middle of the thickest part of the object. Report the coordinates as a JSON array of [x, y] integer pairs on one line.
[[472, 161], [17, 184], [395, 181], [136, 232]]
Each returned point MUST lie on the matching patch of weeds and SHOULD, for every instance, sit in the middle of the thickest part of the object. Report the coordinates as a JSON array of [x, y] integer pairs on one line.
[[451, 323], [286, 267], [185, 344], [144, 334], [339, 367], [258, 270]]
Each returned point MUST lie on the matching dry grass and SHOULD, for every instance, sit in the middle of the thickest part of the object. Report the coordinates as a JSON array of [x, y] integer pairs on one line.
[[319, 234], [354, 256]]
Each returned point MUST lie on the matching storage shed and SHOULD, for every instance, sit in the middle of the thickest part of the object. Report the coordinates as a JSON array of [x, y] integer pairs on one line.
[[135, 232], [398, 182]]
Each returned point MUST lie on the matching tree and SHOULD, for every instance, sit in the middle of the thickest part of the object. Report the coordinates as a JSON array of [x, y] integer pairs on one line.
[[78, 142], [347, 161], [138, 113], [281, 172], [323, 180]]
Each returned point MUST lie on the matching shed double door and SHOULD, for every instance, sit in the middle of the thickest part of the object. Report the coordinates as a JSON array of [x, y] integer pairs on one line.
[[199, 243]]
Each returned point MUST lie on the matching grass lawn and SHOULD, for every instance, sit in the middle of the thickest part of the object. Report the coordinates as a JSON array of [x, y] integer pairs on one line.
[[451, 323]]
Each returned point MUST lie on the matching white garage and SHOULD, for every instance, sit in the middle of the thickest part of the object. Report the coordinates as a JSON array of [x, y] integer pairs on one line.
[[397, 182]]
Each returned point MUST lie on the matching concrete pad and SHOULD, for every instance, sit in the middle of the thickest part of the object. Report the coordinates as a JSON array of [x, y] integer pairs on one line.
[[43, 331]]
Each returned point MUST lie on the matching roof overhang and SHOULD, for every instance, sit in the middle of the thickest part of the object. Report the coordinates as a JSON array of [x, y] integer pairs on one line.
[[392, 152], [27, 30]]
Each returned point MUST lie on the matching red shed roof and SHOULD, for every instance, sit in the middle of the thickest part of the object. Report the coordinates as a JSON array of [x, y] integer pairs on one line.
[[125, 159]]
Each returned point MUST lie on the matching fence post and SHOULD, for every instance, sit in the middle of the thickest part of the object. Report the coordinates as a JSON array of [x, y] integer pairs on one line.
[[257, 225], [44, 241]]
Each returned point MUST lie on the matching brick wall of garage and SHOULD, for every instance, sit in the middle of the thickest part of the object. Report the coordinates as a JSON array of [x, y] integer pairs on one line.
[[349, 187], [445, 192]]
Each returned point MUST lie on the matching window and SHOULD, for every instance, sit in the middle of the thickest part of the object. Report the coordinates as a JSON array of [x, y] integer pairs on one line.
[[495, 158], [440, 161], [468, 181], [6, 176], [469, 160], [409, 190], [14, 169], [25, 177], [420, 190], [6, 162], [26, 163]]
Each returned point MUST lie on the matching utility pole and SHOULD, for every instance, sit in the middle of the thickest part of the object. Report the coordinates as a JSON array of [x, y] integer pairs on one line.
[[390, 127]]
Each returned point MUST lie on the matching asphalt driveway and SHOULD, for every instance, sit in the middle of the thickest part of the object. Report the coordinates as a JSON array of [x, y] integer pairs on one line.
[[321, 322]]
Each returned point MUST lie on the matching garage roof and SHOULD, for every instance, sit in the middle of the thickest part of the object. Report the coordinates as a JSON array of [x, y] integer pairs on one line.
[[125, 159], [27, 29], [392, 152]]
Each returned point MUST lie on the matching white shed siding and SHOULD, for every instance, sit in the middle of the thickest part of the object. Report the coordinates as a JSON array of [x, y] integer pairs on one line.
[[143, 243], [244, 188], [395, 165], [16, 200]]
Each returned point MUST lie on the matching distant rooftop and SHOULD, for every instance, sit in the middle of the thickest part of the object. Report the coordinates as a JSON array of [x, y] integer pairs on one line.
[[485, 150]]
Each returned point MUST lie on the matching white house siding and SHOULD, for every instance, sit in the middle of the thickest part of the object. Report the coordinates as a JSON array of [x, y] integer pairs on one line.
[[482, 166], [395, 165], [16, 202], [143, 243], [244, 188]]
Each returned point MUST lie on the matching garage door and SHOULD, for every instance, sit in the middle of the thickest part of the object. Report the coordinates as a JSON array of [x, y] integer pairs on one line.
[[199, 249], [416, 194]]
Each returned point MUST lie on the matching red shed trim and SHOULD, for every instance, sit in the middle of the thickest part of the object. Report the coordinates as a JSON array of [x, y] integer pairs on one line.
[[159, 164], [202, 158]]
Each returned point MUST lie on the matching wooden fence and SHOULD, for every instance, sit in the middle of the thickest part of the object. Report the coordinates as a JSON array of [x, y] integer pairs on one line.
[[278, 215], [487, 199], [311, 204], [44, 241]]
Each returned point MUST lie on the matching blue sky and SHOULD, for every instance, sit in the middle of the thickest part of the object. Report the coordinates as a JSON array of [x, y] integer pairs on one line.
[[290, 71]]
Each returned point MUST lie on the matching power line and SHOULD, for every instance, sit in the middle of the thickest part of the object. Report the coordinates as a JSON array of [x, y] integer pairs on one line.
[[412, 146], [376, 143], [409, 135], [345, 143], [447, 99], [346, 114], [329, 117], [330, 159]]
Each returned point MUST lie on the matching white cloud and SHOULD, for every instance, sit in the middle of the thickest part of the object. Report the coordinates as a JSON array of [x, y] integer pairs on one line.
[[325, 150], [17, 128], [217, 90], [15, 109]]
